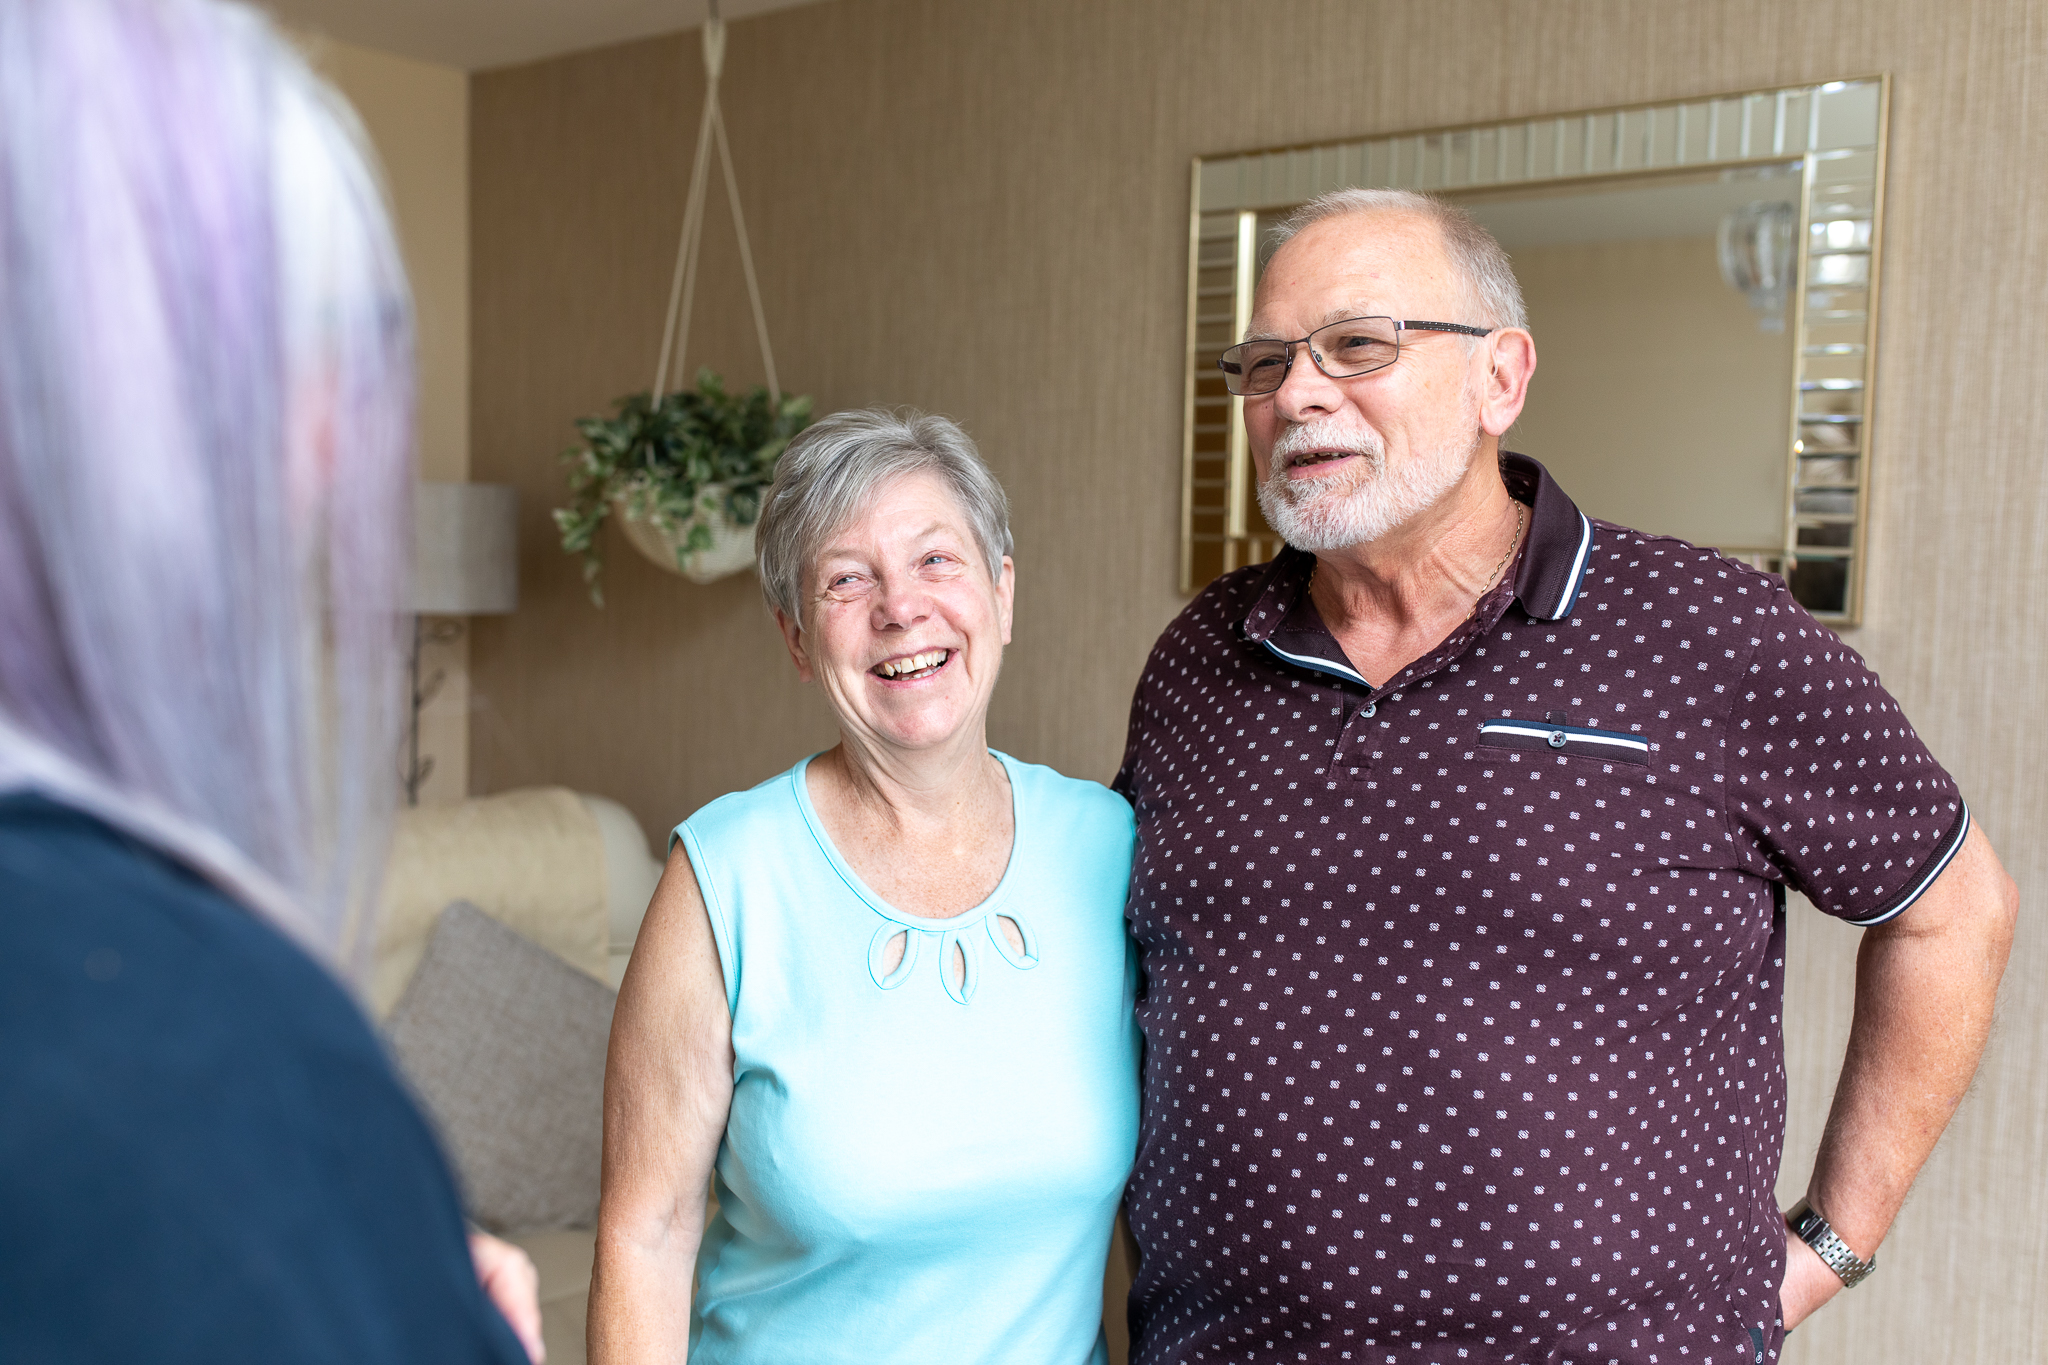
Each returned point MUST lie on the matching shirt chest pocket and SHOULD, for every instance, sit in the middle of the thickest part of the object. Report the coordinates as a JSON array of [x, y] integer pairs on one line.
[[1578, 741]]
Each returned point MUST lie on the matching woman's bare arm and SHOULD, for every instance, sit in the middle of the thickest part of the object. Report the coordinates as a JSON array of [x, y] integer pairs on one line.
[[667, 1090]]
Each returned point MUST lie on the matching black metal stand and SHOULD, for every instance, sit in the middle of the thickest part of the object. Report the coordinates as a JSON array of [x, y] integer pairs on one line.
[[420, 691]]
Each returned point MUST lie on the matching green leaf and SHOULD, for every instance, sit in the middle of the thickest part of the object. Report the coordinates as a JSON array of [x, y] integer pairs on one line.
[[657, 457]]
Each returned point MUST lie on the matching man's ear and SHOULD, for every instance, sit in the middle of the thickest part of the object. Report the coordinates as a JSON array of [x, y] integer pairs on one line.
[[793, 640], [1512, 353]]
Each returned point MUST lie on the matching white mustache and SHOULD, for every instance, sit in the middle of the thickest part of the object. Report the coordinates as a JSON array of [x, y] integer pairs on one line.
[[1325, 434]]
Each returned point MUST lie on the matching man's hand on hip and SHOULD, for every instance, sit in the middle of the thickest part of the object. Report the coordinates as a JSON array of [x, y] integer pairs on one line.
[[1809, 1282], [1926, 984]]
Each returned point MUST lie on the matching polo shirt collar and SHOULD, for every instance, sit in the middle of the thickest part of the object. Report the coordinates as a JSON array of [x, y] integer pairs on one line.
[[1560, 544], [1548, 575]]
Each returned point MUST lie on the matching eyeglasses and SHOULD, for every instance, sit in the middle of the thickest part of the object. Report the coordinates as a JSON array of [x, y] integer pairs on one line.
[[1341, 350]]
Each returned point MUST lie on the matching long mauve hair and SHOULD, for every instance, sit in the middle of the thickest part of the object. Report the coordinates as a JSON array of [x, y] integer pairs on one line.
[[205, 450]]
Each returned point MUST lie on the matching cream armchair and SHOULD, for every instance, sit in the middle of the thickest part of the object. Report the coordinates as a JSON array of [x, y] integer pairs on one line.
[[568, 872]]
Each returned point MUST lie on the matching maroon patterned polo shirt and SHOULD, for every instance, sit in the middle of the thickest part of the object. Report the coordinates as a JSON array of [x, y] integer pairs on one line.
[[1461, 990]]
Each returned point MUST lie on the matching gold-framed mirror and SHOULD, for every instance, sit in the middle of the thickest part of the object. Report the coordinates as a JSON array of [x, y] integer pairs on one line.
[[1702, 284]]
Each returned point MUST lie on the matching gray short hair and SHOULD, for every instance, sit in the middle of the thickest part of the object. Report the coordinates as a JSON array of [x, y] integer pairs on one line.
[[1473, 251], [835, 469]]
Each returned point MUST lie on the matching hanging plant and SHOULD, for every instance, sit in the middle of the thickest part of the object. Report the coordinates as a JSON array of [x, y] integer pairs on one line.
[[686, 475]]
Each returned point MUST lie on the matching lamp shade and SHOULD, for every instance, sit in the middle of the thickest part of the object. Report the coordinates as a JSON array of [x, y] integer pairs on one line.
[[465, 549]]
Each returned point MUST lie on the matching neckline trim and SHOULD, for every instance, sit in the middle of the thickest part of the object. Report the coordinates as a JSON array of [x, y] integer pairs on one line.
[[967, 918], [1315, 665], [1559, 550]]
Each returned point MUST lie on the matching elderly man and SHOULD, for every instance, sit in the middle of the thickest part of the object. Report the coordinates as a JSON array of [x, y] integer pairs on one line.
[[1464, 832]]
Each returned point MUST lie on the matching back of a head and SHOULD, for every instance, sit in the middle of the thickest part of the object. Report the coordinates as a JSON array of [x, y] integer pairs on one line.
[[205, 412]]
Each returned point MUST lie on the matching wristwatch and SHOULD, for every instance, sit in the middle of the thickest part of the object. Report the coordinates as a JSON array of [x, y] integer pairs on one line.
[[1809, 1227]]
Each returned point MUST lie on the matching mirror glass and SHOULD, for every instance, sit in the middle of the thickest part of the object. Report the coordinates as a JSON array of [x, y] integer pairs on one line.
[[1660, 400], [1699, 282]]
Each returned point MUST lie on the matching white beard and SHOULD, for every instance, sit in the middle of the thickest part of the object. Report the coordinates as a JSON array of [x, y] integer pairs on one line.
[[1370, 500]]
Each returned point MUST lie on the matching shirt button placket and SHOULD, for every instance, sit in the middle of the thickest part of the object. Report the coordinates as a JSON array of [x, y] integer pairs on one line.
[[1352, 759]]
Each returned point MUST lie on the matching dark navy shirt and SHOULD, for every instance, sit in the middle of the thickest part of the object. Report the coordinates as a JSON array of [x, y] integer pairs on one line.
[[1462, 987], [204, 1154]]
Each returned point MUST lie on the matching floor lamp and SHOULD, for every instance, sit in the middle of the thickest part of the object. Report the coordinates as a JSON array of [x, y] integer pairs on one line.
[[465, 563]]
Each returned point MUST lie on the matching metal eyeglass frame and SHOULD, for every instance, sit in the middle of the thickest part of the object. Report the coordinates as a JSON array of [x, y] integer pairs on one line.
[[1234, 377]]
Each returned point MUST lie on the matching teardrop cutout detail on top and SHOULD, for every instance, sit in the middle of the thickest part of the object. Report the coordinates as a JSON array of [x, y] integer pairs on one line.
[[1022, 953], [893, 952], [892, 955], [959, 965]]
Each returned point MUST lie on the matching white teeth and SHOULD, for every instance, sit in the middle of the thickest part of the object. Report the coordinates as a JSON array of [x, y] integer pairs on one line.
[[916, 663]]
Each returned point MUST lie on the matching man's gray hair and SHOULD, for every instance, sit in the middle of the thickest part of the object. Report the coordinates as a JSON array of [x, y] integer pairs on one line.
[[837, 467], [1472, 249]]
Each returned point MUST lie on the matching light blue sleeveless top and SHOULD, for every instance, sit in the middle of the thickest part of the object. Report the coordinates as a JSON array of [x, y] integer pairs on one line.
[[917, 1167]]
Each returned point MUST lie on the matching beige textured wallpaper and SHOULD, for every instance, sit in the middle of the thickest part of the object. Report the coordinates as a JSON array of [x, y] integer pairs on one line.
[[416, 115], [980, 208]]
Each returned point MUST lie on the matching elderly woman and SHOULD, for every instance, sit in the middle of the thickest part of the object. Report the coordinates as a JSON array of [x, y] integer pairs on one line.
[[883, 1000]]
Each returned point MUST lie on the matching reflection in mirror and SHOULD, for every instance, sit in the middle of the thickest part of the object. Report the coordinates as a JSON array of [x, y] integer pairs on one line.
[[1660, 399], [1701, 281]]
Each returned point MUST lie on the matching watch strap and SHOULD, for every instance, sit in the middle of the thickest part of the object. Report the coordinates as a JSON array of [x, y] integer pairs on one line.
[[1809, 1227]]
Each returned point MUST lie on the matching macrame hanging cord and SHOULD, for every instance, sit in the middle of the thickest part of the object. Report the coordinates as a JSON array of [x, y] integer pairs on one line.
[[675, 334]]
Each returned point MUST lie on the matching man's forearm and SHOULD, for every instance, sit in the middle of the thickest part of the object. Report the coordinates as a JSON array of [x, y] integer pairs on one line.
[[1925, 987]]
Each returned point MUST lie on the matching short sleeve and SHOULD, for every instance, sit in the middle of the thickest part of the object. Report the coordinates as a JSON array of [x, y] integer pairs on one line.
[[1830, 790], [722, 935]]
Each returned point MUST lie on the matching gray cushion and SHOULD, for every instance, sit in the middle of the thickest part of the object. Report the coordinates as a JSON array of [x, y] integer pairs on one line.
[[505, 1044]]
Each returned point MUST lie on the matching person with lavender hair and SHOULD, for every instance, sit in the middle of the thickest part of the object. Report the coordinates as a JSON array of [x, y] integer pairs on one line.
[[205, 467]]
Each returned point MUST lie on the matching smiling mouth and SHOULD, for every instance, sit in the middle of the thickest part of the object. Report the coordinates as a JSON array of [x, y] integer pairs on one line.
[[912, 667], [1310, 458]]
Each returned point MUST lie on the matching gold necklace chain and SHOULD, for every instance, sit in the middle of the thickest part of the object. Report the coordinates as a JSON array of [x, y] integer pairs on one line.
[[1521, 516], [1521, 512]]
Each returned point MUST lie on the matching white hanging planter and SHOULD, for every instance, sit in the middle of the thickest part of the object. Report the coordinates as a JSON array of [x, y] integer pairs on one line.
[[732, 546], [602, 479]]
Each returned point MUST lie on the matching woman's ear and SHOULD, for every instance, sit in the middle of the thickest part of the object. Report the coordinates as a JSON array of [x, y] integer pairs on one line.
[[793, 639], [1006, 596]]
